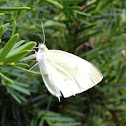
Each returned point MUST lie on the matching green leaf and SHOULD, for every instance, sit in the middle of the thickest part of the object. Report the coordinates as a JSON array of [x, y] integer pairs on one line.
[[1, 14], [14, 8], [34, 122], [55, 3], [21, 64], [17, 44], [73, 8], [13, 94], [8, 46], [30, 71], [93, 51], [20, 89], [1, 32], [67, 2], [6, 27], [27, 46], [6, 78], [22, 84], [33, 56], [14, 28], [16, 57], [21, 97], [82, 13], [41, 122]]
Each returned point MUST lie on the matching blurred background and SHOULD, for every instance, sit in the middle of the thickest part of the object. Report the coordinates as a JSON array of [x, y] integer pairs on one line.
[[92, 29]]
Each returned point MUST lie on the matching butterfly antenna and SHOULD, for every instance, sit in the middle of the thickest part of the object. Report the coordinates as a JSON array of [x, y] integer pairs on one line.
[[43, 32], [39, 35]]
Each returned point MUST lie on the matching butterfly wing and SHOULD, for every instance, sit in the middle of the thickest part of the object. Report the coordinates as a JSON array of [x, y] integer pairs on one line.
[[67, 73]]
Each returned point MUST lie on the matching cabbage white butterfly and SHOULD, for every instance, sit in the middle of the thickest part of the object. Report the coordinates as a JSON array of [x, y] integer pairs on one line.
[[67, 74]]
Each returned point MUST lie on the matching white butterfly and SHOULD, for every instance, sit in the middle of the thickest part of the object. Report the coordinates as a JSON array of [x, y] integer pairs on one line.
[[67, 74]]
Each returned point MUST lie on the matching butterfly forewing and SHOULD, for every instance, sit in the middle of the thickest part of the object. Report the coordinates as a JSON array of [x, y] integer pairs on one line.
[[68, 73]]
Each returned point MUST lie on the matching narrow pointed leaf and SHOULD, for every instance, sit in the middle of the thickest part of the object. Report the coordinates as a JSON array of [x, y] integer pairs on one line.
[[33, 56], [14, 28], [67, 2], [16, 57], [13, 94], [1, 14], [1, 32], [14, 8], [55, 3], [6, 27], [20, 89], [82, 13], [24, 85], [21, 97], [27, 46], [30, 71], [17, 44], [6, 78], [8, 46], [21, 64]]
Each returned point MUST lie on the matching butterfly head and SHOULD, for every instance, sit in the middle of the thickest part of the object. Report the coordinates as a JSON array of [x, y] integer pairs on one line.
[[41, 50], [42, 47]]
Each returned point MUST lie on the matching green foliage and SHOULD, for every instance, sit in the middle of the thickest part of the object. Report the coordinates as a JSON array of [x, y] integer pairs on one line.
[[13, 8], [1, 31], [53, 119], [8, 46], [94, 30], [10, 55]]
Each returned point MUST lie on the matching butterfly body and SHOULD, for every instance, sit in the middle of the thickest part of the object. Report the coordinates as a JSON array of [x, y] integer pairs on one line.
[[67, 74]]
